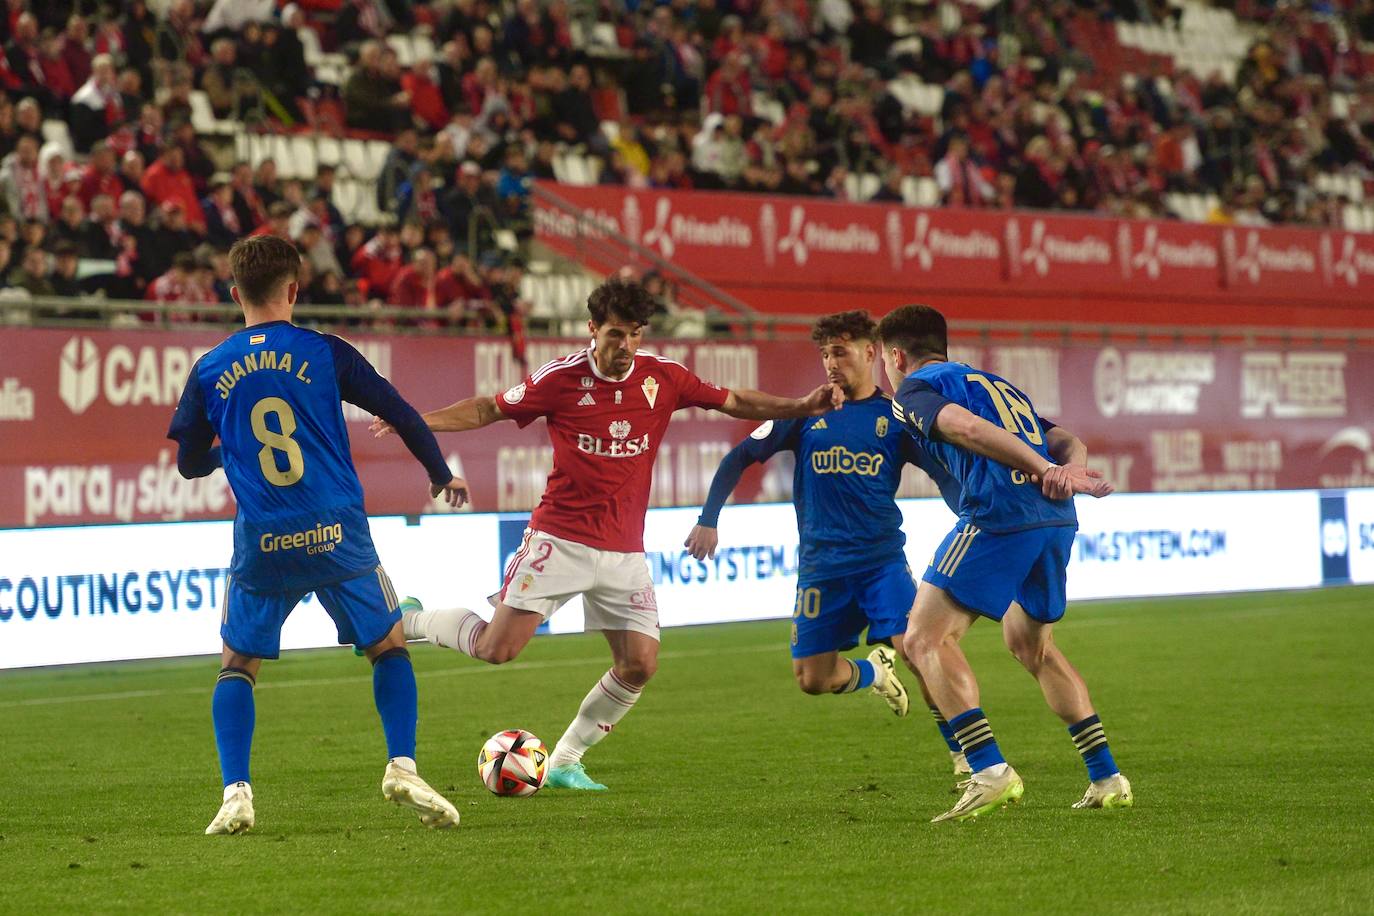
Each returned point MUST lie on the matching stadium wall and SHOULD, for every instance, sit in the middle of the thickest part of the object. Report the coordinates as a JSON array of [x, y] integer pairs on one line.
[[84, 415], [102, 593], [789, 255]]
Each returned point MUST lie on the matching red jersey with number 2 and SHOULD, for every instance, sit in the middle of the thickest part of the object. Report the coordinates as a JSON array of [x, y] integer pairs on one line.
[[605, 434]]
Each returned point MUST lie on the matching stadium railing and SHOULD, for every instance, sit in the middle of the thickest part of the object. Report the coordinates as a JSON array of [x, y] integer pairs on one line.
[[59, 312]]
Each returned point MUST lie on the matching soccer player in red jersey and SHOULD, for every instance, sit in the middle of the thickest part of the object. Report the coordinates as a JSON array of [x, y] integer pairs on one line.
[[607, 408]]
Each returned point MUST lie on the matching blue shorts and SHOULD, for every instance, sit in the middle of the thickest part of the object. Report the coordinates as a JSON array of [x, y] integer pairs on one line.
[[364, 611], [830, 614], [986, 572]]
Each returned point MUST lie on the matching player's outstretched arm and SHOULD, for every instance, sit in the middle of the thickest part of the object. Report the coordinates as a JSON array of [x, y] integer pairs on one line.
[[748, 404], [967, 430], [762, 444], [469, 413]]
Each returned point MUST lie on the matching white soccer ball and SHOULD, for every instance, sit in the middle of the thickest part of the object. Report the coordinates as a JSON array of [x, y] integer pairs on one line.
[[513, 763]]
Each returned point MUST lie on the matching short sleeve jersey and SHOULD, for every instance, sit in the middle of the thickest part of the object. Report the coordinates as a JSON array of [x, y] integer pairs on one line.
[[605, 434], [994, 497]]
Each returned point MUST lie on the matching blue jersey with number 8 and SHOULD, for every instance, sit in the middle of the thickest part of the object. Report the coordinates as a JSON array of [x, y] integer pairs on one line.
[[995, 498], [272, 393]]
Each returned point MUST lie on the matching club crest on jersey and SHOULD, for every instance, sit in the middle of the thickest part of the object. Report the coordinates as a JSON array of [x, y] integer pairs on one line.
[[588, 381], [620, 429], [880, 427], [619, 396], [650, 388], [587, 400], [515, 395]]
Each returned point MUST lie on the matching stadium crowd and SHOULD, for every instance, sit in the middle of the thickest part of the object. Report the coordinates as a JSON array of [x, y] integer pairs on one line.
[[668, 97]]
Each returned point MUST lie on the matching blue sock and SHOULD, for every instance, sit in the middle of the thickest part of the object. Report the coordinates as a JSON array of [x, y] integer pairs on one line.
[[945, 731], [1091, 740], [393, 688], [860, 675], [974, 735], [233, 713]]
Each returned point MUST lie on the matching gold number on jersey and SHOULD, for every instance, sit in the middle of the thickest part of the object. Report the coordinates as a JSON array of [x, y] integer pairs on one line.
[[808, 603], [1012, 406], [273, 441]]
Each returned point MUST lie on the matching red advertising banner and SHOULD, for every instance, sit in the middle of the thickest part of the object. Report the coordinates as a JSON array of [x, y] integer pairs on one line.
[[83, 416], [745, 242]]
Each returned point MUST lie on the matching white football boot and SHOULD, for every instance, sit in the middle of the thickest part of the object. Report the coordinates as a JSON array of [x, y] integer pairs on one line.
[[236, 814], [891, 690], [993, 787], [1112, 792], [405, 787]]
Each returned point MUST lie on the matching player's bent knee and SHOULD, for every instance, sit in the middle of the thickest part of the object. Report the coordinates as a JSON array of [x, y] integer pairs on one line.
[[638, 671], [812, 683]]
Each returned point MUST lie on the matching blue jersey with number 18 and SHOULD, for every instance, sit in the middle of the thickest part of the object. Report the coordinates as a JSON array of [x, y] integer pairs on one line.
[[995, 498], [271, 392]]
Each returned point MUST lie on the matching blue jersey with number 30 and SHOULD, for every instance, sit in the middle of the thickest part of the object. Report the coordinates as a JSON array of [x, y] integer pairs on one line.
[[272, 392], [995, 498]]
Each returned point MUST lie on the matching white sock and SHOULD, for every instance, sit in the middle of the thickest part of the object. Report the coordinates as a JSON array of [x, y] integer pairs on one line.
[[237, 786], [606, 705], [403, 763], [879, 675], [452, 628]]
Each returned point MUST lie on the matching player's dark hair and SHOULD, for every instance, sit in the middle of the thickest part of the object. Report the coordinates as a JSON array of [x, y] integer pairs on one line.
[[855, 325], [625, 300], [261, 265], [917, 330]]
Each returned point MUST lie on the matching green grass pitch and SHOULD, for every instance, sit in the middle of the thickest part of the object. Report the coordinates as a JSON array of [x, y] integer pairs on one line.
[[1243, 722]]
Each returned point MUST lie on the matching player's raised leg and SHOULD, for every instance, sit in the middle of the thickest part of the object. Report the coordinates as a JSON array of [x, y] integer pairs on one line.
[[496, 641], [937, 624], [827, 616], [1032, 642], [234, 716], [635, 661]]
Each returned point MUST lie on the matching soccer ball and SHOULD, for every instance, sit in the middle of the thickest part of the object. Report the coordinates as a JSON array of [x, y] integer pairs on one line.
[[513, 763]]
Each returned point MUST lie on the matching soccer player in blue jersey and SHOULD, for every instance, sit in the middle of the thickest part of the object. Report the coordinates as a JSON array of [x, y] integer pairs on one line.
[[853, 571], [271, 393], [1005, 559]]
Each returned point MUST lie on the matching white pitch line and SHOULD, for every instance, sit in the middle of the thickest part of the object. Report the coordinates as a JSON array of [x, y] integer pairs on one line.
[[334, 681], [1072, 624]]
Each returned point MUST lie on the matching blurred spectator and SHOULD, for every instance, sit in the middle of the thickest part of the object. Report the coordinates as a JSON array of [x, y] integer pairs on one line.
[[959, 179], [22, 182], [396, 169], [76, 48], [168, 181], [378, 262], [375, 100], [233, 15], [66, 261], [32, 274], [99, 175]]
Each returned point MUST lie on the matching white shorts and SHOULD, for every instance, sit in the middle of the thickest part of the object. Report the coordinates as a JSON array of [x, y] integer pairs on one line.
[[616, 588]]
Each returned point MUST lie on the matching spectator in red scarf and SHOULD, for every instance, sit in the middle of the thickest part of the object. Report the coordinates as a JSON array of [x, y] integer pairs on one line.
[[22, 182], [960, 181], [728, 90], [168, 180]]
